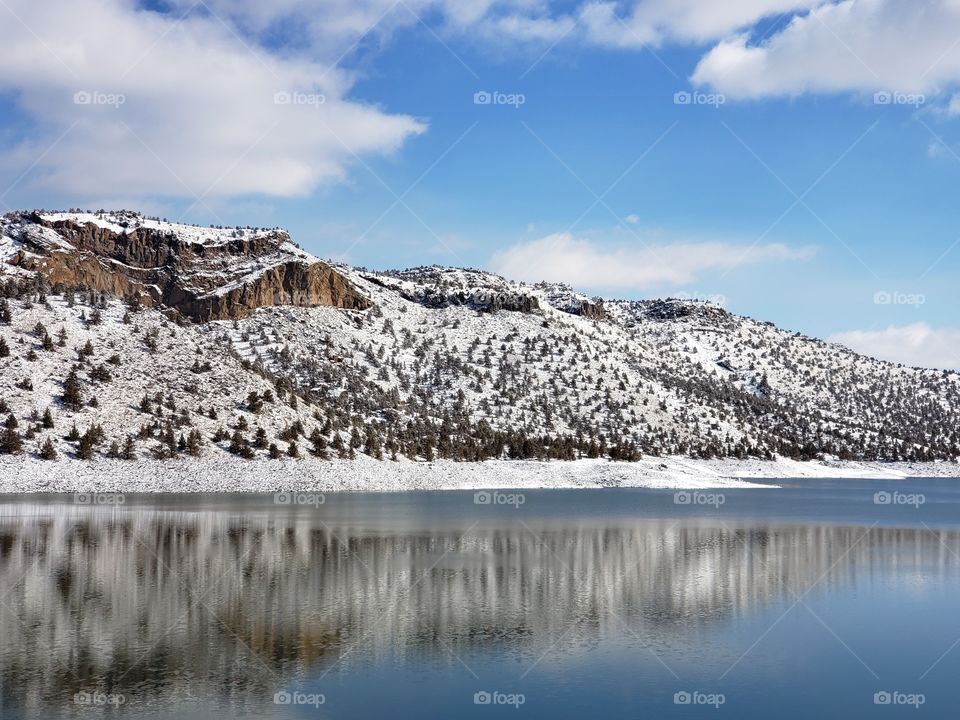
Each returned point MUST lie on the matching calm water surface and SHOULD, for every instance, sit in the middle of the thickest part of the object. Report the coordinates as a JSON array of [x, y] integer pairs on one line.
[[794, 603]]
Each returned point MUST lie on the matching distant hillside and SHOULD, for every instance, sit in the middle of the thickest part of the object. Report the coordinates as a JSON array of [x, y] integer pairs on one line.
[[128, 336]]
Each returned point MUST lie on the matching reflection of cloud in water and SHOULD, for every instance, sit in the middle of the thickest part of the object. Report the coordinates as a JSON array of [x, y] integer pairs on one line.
[[170, 604]]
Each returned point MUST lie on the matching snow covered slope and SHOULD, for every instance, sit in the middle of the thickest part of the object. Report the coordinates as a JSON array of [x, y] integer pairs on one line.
[[419, 364]]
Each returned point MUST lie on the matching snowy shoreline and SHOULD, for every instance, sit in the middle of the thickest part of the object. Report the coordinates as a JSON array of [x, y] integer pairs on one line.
[[19, 475]]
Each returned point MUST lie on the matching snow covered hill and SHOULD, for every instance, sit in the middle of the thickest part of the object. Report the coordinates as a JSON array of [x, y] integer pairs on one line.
[[112, 346]]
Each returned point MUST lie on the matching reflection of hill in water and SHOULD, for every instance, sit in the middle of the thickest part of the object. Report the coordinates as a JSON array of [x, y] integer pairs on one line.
[[135, 599]]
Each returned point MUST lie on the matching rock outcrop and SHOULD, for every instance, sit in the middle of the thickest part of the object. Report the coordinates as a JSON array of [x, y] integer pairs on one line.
[[565, 298], [225, 275], [436, 287]]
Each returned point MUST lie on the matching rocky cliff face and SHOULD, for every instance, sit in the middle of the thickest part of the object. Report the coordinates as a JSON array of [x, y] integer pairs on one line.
[[294, 283], [205, 274]]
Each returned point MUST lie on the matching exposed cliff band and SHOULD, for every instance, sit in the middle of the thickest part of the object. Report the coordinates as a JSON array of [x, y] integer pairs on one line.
[[226, 278]]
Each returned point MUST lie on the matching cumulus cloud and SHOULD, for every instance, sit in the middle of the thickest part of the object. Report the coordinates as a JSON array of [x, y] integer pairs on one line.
[[585, 264], [826, 45], [868, 46], [125, 100], [914, 345]]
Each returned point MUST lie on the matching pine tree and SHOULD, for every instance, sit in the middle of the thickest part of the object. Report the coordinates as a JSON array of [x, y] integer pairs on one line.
[[47, 451], [260, 440], [100, 373], [194, 443], [372, 446], [319, 444], [10, 441], [170, 439], [238, 443], [85, 446], [72, 397]]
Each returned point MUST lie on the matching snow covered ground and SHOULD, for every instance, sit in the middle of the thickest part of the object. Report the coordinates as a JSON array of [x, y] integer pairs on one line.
[[18, 475]]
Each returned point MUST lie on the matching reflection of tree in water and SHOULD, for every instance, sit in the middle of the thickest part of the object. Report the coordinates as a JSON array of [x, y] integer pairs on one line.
[[145, 602]]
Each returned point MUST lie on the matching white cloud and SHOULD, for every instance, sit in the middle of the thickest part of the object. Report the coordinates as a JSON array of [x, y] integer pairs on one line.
[[333, 27], [645, 22], [585, 264], [866, 46], [198, 112], [914, 345], [693, 21]]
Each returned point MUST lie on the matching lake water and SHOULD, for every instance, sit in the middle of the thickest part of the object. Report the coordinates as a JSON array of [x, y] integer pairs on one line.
[[821, 599]]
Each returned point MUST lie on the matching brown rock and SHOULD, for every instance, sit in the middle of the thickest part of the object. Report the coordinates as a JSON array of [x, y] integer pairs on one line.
[[203, 281]]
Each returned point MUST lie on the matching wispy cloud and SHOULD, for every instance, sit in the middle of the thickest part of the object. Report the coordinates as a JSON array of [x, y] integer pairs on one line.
[[583, 263], [332, 26], [915, 345]]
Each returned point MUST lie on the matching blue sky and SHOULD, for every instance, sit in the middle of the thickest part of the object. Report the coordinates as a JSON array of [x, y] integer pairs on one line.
[[787, 187]]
